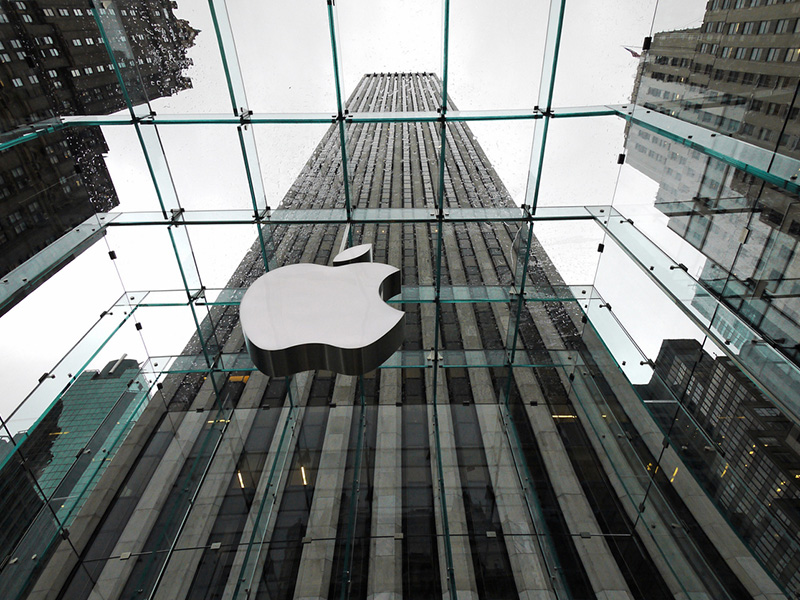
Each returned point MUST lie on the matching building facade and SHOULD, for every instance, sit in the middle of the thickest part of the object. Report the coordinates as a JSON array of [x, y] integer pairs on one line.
[[737, 74], [55, 466], [54, 62], [759, 448], [453, 470]]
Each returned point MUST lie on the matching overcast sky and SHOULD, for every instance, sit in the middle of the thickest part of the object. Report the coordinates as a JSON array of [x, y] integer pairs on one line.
[[284, 51]]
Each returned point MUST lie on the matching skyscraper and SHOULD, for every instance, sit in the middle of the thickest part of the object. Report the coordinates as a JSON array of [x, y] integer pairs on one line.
[[54, 62], [470, 464], [56, 464], [736, 74]]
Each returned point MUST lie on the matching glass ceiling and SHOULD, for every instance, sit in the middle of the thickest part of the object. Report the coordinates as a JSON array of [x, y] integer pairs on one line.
[[546, 99], [558, 105]]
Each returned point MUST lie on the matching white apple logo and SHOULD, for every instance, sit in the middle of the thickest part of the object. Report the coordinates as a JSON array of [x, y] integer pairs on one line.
[[305, 316]]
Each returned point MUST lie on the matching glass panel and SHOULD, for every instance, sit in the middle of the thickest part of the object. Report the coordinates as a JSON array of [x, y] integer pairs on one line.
[[599, 47], [193, 153], [285, 56], [112, 336], [374, 39], [594, 160], [50, 185], [572, 246], [482, 76]]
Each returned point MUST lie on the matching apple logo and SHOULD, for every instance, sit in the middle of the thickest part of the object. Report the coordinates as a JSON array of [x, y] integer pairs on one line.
[[305, 316]]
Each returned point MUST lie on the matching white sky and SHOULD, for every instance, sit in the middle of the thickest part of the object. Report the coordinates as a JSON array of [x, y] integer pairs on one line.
[[284, 51]]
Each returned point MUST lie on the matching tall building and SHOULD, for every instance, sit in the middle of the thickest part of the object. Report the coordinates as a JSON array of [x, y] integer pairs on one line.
[[754, 439], [736, 74], [49, 471], [54, 62], [456, 469]]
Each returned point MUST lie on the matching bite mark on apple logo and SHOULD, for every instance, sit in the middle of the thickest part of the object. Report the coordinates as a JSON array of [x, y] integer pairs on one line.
[[305, 317]]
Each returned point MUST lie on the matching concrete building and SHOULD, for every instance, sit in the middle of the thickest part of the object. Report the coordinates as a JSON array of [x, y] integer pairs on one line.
[[56, 464], [736, 74], [754, 476], [54, 62]]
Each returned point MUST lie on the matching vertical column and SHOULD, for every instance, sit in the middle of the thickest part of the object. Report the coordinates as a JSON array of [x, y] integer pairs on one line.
[[249, 560], [319, 543], [386, 553], [458, 578], [205, 510]]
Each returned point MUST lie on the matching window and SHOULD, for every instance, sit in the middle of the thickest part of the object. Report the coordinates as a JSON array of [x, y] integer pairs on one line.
[[53, 74], [5, 58], [17, 172], [21, 55], [792, 55], [773, 54], [75, 72], [17, 82], [77, 12], [33, 79], [47, 39], [749, 28], [15, 219], [756, 53], [76, 42], [739, 4], [48, 12], [100, 68], [89, 42], [741, 53], [27, 19], [733, 28], [15, 43], [53, 52], [63, 12], [782, 26], [727, 51], [763, 27], [88, 70]]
